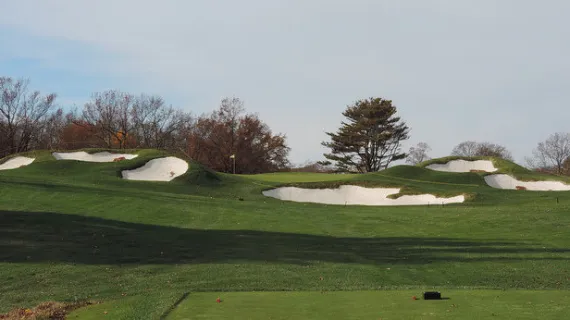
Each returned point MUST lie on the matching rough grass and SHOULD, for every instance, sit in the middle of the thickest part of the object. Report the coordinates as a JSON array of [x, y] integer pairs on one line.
[[76, 230]]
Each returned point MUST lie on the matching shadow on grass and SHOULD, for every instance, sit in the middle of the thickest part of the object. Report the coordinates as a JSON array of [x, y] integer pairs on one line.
[[53, 237], [161, 191]]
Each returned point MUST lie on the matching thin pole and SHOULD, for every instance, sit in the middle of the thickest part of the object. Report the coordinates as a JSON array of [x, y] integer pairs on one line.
[[234, 165]]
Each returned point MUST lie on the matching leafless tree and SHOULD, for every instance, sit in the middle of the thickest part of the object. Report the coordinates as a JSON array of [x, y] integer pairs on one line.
[[465, 149], [21, 114], [50, 134], [553, 152], [478, 149], [157, 125], [418, 153], [110, 112]]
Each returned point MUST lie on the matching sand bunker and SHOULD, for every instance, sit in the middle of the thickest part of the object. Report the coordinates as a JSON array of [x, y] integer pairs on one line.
[[93, 157], [161, 169], [16, 162], [355, 195], [503, 181], [464, 166]]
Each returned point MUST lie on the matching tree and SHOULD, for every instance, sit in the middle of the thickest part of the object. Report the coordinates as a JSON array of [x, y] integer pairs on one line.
[[465, 149], [418, 154], [124, 120], [228, 131], [50, 134], [553, 152], [156, 125], [481, 149], [21, 114], [488, 149], [371, 139], [80, 134], [566, 166], [109, 112]]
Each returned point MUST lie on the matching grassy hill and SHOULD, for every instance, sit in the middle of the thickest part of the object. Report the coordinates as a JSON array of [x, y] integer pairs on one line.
[[504, 167], [74, 230]]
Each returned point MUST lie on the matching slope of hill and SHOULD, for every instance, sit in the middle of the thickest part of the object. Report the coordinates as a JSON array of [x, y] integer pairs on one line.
[[72, 230]]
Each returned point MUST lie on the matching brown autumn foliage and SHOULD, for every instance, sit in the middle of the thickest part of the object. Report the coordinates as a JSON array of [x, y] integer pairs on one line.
[[79, 134], [51, 310], [121, 140], [116, 119], [226, 132], [564, 169]]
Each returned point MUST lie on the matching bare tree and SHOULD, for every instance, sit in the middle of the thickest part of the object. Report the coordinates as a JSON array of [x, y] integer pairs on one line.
[[50, 134], [21, 114], [465, 149], [110, 112], [228, 115], [153, 121], [481, 149], [418, 154], [136, 121], [553, 152]]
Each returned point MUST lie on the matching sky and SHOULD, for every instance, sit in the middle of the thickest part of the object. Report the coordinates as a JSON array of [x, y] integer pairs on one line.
[[456, 70]]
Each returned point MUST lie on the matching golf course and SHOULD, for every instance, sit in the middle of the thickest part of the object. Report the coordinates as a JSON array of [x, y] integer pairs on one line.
[[187, 242]]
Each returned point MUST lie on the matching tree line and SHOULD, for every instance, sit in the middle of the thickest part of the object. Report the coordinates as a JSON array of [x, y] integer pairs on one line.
[[120, 120], [371, 139]]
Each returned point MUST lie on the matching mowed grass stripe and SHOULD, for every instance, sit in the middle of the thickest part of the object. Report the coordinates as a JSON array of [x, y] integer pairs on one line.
[[385, 305]]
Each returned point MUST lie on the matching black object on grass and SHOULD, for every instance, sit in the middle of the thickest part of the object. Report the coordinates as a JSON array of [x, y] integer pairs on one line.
[[432, 295]]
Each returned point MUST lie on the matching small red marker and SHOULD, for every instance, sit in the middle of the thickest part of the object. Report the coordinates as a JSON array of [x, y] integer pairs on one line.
[[414, 298], [218, 300]]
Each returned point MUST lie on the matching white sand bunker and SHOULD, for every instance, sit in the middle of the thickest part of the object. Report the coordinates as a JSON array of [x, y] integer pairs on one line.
[[16, 162], [464, 166], [503, 181], [92, 157], [355, 195], [161, 169]]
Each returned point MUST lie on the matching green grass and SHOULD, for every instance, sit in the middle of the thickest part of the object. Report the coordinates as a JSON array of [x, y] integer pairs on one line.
[[386, 305], [76, 230]]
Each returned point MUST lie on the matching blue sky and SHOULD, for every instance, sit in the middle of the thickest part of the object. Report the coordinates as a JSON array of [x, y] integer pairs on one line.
[[479, 70]]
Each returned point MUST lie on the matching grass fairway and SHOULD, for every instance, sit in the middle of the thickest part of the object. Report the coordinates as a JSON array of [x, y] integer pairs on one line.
[[385, 305], [75, 230]]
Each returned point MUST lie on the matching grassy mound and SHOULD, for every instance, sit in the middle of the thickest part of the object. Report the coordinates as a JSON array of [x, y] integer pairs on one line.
[[74, 230], [411, 181], [107, 172], [504, 167]]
